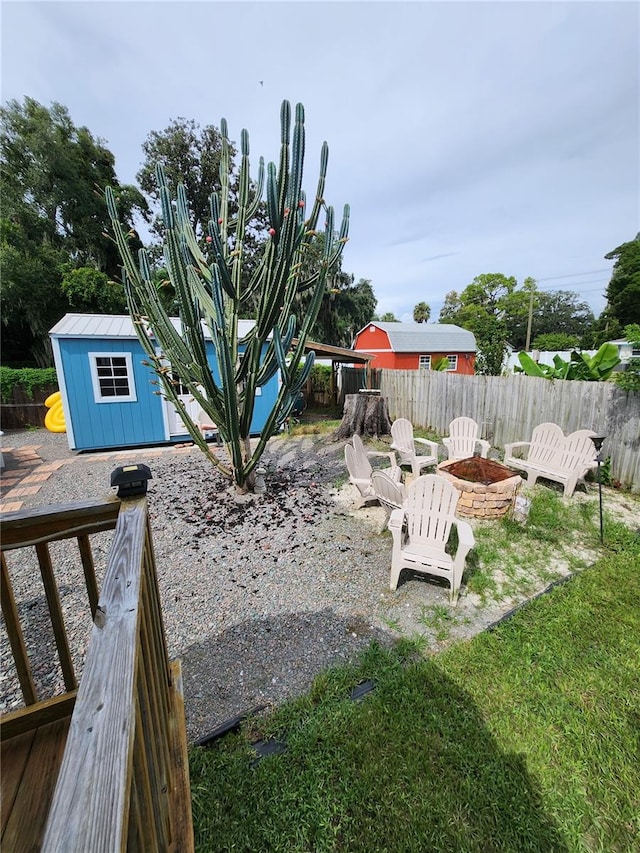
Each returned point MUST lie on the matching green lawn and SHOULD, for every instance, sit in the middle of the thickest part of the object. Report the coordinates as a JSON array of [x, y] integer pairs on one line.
[[525, 738]]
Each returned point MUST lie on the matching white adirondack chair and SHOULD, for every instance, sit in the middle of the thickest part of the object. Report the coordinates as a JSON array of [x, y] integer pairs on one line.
[[390, 493], [360, 470], [553, 455], [404, 443], [429, 513], [463, 438]]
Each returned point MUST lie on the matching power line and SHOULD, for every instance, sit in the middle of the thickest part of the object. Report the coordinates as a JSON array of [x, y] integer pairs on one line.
[[577, 288], [573, 275]]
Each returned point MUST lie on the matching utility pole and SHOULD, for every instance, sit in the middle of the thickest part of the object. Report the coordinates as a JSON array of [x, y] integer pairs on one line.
[[530, 321]]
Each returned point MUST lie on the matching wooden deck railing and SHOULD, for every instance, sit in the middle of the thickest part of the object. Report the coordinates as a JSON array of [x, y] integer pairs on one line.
[[123, 781]]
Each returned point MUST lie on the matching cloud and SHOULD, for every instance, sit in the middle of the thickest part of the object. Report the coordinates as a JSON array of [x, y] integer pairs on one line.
[[438, 257]]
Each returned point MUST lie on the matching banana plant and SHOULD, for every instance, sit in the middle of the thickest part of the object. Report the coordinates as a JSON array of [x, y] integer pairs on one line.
[[214, 289], [595, 368], [440, 364]]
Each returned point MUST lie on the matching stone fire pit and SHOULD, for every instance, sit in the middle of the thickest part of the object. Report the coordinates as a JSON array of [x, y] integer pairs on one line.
[[487, 488]]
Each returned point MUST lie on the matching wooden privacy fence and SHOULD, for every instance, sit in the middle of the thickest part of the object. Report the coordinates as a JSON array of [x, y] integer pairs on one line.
[[509, 407], [114, 748], [354, 379], [24, 410]]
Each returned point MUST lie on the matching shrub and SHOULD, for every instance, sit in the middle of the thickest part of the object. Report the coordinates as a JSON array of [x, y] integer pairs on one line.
[[27, 378]]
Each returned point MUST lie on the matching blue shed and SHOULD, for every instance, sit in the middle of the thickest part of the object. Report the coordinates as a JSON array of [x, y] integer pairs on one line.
[[107, 394]]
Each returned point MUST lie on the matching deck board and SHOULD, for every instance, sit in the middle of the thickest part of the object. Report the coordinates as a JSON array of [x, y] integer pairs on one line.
[[15, 754], [30, 765]]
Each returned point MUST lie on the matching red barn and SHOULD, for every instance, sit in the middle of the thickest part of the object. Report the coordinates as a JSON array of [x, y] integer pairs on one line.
[[415, 346]]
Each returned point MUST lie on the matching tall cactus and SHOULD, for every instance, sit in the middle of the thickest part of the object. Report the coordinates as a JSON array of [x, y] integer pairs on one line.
[[211, 292]]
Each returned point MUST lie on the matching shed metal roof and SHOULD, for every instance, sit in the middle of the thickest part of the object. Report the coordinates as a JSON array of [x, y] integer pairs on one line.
[[115, 326], [426, 337]]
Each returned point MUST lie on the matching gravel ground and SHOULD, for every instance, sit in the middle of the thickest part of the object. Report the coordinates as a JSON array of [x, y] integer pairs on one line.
[[258, 597]]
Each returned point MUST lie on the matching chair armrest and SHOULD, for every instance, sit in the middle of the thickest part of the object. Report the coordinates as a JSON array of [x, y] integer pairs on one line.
[[432, 444], [465, 534], [391, 456], [466, 541], [361, 483], [396, 521], [448, 446], [508, 448], [484, 444], [586, 467]]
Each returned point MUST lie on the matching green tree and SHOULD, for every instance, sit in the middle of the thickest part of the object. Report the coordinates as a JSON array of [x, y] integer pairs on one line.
[[52, 176], [450, 308], [623, 291], [89, 290], [346, 307], [211, 285], [480, 309], [556, 342], [31, 299], [520, 306], [556, 312], [562, 312], [629, 379], [493, 307], [190, 155], [491, 335], [387, 317], [488, 291], [421, 313]]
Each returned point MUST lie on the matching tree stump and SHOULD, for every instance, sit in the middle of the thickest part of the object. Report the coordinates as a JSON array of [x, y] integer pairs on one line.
[[364, 414]]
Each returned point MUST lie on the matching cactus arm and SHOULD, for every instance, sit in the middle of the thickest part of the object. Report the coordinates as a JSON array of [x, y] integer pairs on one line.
[[241, 219], [258, 190], [283, 171], [215, 232]]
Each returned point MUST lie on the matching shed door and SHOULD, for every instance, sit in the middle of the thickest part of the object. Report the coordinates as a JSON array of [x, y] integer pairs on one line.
[[176, 424]]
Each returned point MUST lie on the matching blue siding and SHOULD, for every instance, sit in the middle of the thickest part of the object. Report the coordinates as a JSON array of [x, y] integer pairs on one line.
[[264, 402], [121, 424], [97, 425]]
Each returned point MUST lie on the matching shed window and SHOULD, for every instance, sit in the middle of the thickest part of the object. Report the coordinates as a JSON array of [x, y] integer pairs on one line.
[[453, 362], [112, 377], [425, 362]]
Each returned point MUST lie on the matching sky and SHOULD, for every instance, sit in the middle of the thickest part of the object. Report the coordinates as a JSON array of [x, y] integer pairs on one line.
[[467, 137]]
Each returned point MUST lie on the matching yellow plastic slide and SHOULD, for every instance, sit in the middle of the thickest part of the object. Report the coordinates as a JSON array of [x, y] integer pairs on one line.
[[54, 419]]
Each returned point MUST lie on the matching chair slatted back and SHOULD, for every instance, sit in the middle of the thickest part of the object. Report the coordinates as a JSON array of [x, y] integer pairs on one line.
[[390, 494], [358, 466], [431, 506], [578, 451], [402, 439], [463, 434], [358, 446], [547, 441]]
